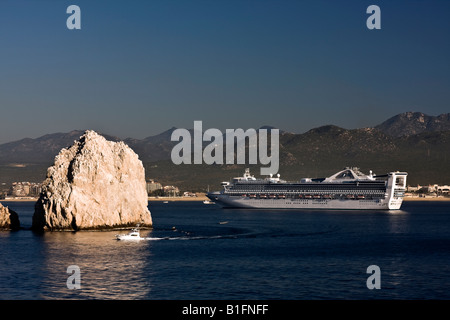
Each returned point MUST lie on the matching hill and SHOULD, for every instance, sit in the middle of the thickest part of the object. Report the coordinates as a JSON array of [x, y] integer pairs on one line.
[[411, 123], [412, 142]]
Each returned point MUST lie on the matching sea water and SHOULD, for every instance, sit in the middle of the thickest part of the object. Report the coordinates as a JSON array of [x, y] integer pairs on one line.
[[198, 251]]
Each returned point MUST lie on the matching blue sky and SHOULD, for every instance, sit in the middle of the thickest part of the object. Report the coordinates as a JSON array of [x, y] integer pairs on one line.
[[137, 68]]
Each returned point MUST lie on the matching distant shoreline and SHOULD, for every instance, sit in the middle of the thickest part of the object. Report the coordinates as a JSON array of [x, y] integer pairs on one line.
[[202, 197], [199, 197], [426, 199], [19, 200]]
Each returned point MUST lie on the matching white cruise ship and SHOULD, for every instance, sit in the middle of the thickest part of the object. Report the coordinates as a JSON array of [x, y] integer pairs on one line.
[[347, 189]]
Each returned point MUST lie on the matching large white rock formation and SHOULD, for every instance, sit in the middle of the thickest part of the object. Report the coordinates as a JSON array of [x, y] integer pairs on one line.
[[94, 184], [9, 220]]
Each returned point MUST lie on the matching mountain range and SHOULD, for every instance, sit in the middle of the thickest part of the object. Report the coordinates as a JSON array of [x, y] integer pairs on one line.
[[411, 141]]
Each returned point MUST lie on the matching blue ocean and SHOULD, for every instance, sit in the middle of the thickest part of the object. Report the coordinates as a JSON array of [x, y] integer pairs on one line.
[[198, 251]]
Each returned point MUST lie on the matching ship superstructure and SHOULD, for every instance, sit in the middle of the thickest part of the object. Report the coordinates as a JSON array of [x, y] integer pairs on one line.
[[347, 189]]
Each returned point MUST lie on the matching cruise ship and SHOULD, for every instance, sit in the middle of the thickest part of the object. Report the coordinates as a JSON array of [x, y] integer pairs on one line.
[[347, 189]]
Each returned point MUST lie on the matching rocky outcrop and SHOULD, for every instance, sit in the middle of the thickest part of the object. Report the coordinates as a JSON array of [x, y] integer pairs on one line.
[[9, 220], [94, 184], [411, 123]]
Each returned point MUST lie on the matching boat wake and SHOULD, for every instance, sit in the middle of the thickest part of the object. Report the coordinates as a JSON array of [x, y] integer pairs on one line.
[[187, 238], [210, 233], [198, 233]]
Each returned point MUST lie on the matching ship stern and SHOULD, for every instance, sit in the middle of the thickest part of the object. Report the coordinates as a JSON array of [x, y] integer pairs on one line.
[[396, 189]]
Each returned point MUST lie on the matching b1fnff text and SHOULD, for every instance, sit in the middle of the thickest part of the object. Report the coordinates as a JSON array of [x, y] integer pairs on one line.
[[247, 309]]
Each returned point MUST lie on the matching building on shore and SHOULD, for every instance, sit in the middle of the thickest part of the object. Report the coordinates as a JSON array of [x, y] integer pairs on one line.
[[157, 189], [25, 189], [152, 185], [445, 189], [413, 189], [432, 190], [435, 188], [171, 191]]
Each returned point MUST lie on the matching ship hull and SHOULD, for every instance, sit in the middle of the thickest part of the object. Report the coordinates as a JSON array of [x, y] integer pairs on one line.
[[348, 189], [327, 204]]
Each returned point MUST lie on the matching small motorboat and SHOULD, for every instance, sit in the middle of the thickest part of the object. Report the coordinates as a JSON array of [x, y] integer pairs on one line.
[[132, 235], [208, 202]]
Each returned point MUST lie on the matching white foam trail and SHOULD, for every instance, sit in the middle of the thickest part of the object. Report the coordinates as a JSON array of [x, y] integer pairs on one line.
[[183, 238], [153, 239]]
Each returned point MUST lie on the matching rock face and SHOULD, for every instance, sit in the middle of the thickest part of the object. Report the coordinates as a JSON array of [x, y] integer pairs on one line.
[[9, 219], [94, 184]]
